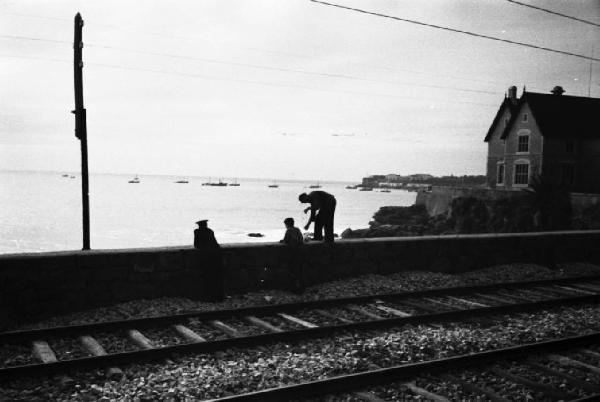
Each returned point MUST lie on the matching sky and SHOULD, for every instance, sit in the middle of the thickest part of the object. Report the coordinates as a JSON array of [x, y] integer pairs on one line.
[[278, 89]]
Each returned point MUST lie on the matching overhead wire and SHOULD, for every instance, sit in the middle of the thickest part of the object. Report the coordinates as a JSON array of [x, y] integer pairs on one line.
[[554, 13], [254, 82], [261, 67], [271, 51], [512, 42]]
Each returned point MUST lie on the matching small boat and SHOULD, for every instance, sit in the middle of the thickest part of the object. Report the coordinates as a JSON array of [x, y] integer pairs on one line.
[[235, 183], [318, 185], [274, 185], [351, 187], [135, 180], [182, 181], [366, 189], [72, 177], [65, 175], [219, 184], [385, 191]]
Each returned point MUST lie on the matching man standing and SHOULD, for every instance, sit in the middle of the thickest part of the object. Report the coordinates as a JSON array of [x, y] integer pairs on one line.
[[295, 253], [322, 209], [210, 260]]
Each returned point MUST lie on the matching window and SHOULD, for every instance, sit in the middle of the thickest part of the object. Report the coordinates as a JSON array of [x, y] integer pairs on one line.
[[567, 173], [521, 173], [523, 145], [500, 175], [525, 117], [570, 147]]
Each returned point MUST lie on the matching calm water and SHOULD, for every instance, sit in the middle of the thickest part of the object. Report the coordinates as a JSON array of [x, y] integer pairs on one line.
[[41, 211]]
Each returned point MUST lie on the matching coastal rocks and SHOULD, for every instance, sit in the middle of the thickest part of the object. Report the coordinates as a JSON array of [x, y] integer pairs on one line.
[[514, 214]]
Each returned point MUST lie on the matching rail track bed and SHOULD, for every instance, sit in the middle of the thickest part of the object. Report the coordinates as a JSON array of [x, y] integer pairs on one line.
[[111, 344], [565, 369]]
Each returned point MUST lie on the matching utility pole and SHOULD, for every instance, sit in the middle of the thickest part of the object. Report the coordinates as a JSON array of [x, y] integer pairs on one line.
[[81, 128]]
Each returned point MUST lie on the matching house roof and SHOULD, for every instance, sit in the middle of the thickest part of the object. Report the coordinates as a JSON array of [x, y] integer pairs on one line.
[[560, 116], [505, 103]]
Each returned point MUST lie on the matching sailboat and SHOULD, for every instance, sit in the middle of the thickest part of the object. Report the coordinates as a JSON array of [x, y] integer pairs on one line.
[[235, 183], [318, 185], [182, 181], [274, 185], [135, 180]]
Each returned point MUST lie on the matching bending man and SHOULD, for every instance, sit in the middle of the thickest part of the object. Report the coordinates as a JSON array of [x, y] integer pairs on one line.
[[322, 209]]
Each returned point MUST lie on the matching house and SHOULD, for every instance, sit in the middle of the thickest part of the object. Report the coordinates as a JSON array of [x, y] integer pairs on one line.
[[551, 135]]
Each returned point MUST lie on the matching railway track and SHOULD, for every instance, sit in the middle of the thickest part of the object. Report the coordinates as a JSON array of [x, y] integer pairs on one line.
[[566, 369], [114, 343]]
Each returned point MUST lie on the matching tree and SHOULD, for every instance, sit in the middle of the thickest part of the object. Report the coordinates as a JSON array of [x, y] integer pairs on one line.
[[552, 201]]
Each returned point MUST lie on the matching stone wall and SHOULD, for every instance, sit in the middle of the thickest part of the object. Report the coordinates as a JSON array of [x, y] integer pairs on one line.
[[35, 285], [438, 200]]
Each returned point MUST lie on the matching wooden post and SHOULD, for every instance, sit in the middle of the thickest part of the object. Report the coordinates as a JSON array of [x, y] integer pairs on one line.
[[81, 127]]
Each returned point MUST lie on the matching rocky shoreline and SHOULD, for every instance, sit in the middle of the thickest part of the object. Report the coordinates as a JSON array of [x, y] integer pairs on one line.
[[476, 215]]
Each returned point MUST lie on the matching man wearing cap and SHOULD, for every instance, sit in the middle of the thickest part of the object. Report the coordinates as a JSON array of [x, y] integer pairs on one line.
[[322, 209], [210, 261]]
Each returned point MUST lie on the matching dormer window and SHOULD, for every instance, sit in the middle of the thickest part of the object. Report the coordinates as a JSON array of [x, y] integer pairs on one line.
[[525, 117]]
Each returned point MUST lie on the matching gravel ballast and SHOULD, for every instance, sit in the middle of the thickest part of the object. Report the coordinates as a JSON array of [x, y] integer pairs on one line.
[[206, 376]]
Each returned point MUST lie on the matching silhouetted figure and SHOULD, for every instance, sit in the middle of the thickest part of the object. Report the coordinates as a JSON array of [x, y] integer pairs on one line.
[[322, 209], [295, 252], [210, 263]]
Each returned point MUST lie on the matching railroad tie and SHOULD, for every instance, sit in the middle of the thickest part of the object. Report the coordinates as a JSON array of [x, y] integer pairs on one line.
[[440, 303], [572, 362], [44, 353], [553, 292], [368, 396], [297, 320], [589, 353], [418, 306], [364, 312], [574, 381], [139, 339], [469, 302], [93, 346], [588, 286], [391, 310], [543, 388], [188, 334], [494, 298], [565, 290], [475, 389], [335, 317], [423, 392], [582, 291], [226, 329], [262, 323], [519, 299]]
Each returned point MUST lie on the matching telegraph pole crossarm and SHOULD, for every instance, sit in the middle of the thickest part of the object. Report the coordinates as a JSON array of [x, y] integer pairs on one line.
[[81, 127]]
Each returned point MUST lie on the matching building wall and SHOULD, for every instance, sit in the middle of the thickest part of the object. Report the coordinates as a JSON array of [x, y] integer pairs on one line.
[[496, 149], [589, 172], [43, 284], [511, 154]]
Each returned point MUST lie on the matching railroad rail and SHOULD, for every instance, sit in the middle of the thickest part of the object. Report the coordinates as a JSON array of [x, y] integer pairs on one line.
[[206, 331], [517, 365]]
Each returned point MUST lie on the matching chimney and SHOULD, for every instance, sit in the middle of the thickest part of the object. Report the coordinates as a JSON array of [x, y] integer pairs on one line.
[[558, 90], [512, 94]]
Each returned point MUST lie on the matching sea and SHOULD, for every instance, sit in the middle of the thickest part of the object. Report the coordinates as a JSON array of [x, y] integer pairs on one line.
[[41, 211]]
